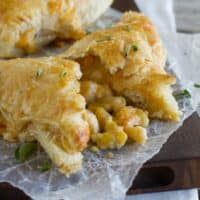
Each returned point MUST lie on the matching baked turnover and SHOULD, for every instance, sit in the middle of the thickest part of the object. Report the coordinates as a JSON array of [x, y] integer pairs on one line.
[[107, 98], [129, 58], [40, 100], [27, 25]]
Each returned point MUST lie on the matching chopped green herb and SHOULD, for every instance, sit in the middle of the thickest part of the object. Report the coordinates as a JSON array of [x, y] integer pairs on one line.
[[197, 85], [38, 73], [46, 166], [134, 47], [24, 151], [88, 32], [127, 28], [106, 38], [64, 74], [182, 94], [129, 48]]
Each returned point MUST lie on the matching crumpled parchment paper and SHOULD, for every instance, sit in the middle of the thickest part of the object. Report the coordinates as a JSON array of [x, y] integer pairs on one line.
[[102, 178]]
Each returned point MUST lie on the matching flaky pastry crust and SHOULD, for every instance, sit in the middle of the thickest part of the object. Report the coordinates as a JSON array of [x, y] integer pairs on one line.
[[27, 25], [40, 100], [130, 58]]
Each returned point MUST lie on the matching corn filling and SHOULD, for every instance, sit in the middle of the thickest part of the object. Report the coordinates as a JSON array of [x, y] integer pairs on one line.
[[117, 122]]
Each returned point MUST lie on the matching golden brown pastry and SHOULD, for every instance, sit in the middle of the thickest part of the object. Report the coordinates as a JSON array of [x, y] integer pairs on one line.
[[130, 58], [27, 25], [40, 100]]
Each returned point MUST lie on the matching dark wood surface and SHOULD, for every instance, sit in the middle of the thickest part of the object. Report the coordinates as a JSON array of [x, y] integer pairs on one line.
[[8, 192], [184, 144], [124, 5], [167, 175], [177, 164], [175, 167]]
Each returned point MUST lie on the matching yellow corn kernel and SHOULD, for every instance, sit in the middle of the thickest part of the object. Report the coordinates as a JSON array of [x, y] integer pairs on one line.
[[110, 140], [94, 149], [110, 155], [137, 134], [102, 115], [129, 117], [121, 138], [119, 134], [104, 140], [114, 136], [112, 126]]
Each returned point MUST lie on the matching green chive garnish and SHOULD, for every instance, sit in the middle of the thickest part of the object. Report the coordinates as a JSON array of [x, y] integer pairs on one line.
[[134, 47], [24, 151], [182, 94], [129, 48], [196, 85], [63, 74], [127, 28], [38, 73], [46, 166], [88, 32]]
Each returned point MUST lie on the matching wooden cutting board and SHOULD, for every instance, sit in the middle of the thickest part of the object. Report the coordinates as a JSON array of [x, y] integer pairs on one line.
[[175, 167]]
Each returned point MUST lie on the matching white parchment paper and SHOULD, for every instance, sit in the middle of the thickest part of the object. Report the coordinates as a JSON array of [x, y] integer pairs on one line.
[[101, 178]]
